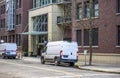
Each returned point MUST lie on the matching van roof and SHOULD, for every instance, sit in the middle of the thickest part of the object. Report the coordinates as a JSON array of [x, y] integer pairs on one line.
[[8, 43], [61, 42]]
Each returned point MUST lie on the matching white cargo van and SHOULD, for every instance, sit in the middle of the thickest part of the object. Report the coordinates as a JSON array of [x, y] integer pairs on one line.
[[8, 50], [60, 51]]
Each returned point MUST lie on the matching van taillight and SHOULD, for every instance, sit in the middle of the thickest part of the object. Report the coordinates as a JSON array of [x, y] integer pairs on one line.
[[61, 54]]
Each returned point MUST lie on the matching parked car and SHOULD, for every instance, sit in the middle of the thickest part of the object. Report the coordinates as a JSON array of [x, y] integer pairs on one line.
[[8, 50], [60, 51]]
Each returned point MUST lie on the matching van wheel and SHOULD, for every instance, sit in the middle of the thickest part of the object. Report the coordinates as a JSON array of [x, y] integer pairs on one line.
[[42, 61], [14, 57], [71, 64], [56, 62]]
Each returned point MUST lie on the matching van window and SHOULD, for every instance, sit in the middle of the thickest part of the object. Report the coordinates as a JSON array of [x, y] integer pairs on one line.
[[44, 50]]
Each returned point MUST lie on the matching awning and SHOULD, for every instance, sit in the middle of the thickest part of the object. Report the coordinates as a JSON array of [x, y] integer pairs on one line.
[[34, 33]]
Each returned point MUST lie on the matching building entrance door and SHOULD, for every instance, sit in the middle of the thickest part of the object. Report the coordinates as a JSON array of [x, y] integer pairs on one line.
[[39, 50]]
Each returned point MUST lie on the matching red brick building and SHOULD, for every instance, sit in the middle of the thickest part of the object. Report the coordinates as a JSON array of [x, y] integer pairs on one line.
[[106, 25], [14, 20]]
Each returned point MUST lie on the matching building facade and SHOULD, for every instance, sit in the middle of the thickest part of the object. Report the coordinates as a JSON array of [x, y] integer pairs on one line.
[[13, 21], [103, 17], [44, 20], [53, 20]]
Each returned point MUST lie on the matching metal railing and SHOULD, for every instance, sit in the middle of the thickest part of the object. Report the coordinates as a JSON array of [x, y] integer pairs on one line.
[[62, 19], [63, 1]]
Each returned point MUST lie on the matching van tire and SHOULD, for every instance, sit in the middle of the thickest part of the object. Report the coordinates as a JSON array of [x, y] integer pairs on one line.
[[71, 64], [42, 60], [56, 62], [14, 57]]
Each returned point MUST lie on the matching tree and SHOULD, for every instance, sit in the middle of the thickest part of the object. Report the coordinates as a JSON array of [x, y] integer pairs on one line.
[[89, 23]]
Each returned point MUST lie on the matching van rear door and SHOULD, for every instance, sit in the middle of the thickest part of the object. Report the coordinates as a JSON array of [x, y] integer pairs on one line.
[[69, 52]]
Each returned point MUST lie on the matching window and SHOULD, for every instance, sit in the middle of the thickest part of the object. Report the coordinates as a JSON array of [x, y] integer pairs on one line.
[[18, 39], [43, 38], [34, 3], [11, 38], [40, 23], [39, 3], [118, 6], [87, 9], [86, 37], [94, 37], [18, 19], [54, 1], [2, 9], [95, 9], [78, 37], [118, 39], [2, 23], [18, 4], [79, 11]]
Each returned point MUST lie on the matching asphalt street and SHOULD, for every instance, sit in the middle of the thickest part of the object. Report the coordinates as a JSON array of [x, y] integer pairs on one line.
[[13, 68]]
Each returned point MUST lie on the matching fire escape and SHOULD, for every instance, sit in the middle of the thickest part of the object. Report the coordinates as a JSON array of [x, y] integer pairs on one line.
[[66, 18]]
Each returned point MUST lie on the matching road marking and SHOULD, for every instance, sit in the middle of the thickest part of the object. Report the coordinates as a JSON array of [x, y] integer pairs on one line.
[[60, 77], [47, 69]]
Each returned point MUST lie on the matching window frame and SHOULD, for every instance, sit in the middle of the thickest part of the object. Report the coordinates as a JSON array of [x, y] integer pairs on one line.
[[118, 6], [95, 31], [118, 35], [79, 11], [79, 37]]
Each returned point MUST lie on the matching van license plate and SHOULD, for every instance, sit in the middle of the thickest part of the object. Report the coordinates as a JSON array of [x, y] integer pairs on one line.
[[65, 56]]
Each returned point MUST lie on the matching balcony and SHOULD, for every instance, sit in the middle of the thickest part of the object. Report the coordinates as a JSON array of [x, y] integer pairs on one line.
[[63, 1], [63, 20]]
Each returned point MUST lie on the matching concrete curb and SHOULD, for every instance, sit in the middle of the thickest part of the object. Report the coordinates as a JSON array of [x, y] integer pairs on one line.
[[97, 69]]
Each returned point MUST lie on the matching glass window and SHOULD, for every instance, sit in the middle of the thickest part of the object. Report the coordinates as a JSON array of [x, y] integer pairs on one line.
[[40, 23], [54, 1], [18, 19], [94, 37], [118, 6], [18, 4], [39, 3], [2, 23], [34, 3], [43, 38], [96, 8], [78, 37], [18, 39], [87, 9], [79, 11], [86, 37], [118, 39], [2, 9]]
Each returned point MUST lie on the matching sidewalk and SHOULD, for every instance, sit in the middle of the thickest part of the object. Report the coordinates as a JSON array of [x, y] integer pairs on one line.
[[100, 67], [95, 67]]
